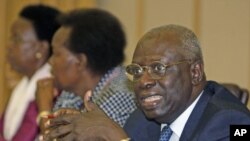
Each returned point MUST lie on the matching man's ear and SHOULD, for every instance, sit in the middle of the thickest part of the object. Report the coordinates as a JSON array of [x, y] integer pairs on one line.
[[197, 72]]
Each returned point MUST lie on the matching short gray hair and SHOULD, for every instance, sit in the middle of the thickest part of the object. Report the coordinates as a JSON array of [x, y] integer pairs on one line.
[[189, 41]]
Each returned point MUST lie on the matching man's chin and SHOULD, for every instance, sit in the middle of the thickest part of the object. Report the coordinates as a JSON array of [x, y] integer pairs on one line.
[[154, 115], [150, 114]]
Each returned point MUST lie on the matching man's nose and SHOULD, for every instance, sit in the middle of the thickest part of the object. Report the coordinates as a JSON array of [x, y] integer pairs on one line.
[[146, 81]]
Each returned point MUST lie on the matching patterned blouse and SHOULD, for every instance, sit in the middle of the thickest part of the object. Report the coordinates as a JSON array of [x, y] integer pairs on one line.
[[113, 94]]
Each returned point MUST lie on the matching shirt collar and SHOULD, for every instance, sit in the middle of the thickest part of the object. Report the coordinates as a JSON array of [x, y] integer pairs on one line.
[[178, 125]]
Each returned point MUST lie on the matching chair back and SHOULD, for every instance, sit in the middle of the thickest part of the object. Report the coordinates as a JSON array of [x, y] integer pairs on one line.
[[241, 93]]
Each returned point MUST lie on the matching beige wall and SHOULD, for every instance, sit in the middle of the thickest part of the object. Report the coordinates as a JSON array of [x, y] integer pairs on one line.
[[223, 27], [126, 11], [225, 35], [2, 52]]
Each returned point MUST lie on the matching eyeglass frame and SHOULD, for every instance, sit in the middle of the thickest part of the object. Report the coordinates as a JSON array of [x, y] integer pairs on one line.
[[150, 72]]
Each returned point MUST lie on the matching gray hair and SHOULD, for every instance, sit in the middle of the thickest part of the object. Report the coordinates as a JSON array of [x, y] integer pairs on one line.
[[189, 41]]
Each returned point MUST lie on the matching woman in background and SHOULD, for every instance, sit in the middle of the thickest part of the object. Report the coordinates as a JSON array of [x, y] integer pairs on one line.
[[88, 50], [28, 52]]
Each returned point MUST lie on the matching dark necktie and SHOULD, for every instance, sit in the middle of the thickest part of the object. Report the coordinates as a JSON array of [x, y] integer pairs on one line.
[[166, 133]]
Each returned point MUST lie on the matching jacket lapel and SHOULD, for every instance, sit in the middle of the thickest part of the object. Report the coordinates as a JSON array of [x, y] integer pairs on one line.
[[196, 115]]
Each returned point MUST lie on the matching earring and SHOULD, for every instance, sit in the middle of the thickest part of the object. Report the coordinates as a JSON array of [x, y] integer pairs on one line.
[[38, 55]]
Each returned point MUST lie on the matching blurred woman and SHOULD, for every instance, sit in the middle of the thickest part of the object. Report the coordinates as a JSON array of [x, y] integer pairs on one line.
[[88, 50], [28, 52]]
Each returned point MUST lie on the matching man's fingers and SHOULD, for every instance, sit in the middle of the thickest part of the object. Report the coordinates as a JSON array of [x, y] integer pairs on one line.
[[58, 132], [64, 111], [88, 104], [61, 120], [59, 112], [69, 137]]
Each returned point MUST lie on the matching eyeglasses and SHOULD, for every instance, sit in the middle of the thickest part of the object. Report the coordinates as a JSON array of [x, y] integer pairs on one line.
[[156, 70]]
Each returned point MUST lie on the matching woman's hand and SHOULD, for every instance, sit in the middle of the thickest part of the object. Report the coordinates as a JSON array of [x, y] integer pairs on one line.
[[45, 94]]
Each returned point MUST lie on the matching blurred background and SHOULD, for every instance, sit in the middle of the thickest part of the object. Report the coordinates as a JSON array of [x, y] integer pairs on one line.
[[223, 27]]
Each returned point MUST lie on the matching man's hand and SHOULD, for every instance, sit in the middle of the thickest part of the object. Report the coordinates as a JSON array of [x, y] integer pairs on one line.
[[89, 125], [65, 111]]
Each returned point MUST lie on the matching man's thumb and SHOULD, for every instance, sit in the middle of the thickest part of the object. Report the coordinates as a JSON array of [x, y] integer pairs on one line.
[[88, 103]]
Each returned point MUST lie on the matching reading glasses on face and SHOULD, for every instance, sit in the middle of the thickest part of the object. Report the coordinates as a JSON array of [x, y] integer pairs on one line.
[[156, 70]]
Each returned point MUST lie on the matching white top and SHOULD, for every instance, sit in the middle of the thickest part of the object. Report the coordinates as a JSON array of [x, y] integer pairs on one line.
[[178, 125]]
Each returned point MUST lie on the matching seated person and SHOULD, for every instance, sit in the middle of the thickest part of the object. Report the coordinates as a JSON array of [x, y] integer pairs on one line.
[[28, 52], [171, 89], [88, 50]]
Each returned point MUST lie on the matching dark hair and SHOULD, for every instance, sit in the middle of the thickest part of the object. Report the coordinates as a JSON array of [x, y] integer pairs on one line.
[[44, 21], [99, 35]]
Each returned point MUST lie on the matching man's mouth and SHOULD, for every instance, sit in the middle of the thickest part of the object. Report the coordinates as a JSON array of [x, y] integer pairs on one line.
[[151, 102], [152, 98]]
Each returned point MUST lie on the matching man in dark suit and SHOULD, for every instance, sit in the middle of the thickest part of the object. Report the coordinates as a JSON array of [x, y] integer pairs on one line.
[[175, 99], [171, 89], [210, 120]]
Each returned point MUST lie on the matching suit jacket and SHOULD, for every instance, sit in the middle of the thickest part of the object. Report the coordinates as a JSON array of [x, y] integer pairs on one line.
[[210, 119]]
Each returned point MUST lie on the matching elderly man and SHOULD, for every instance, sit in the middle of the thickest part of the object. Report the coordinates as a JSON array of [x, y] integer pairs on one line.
[[172, 90]]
